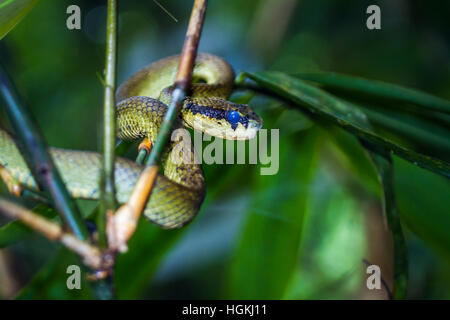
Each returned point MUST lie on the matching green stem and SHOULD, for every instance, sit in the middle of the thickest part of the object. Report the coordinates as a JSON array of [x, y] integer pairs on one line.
[[383, 163], [108, 199], [183, 79], [141, 156], [39, 161], [178, 96]]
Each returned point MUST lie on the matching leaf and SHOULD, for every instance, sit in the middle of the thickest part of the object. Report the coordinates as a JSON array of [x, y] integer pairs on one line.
[[354, 157], [384, 168], [423, 202], [147, 247], [268, 247], [342, 113], [11, 12], [414, 130], [378, 89], [333, 242], [354, 120]]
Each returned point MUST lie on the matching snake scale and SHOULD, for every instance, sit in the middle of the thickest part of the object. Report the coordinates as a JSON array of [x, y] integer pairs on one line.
[[143, 100]]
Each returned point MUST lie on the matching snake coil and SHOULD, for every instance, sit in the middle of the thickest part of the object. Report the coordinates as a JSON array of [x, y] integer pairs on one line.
[[143, 99]]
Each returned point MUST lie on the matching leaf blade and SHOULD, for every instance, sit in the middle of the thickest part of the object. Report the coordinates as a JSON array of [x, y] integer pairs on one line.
[[342, 114], [269, 244], [11, 12], [379, 89]]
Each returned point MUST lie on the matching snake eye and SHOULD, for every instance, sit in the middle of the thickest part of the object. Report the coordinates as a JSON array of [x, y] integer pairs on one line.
[[233, 117]]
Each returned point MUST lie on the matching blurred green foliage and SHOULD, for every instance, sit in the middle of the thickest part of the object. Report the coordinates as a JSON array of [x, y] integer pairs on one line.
[[299, 234]]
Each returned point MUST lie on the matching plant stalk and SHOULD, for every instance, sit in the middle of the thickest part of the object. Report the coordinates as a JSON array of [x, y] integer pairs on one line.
[[108, 199], [33, 145], [122, 226]]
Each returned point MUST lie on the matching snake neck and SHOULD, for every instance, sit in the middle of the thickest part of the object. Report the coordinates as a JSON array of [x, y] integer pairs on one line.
[[151, 80], [141, 117]]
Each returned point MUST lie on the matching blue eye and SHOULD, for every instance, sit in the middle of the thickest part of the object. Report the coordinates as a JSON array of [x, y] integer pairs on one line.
[[233, 117]]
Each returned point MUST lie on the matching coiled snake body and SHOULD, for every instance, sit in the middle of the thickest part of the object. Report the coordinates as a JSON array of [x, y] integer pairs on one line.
[[143, 99]]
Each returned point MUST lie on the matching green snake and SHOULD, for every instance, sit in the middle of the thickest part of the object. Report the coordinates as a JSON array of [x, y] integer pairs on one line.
[[143, 98]]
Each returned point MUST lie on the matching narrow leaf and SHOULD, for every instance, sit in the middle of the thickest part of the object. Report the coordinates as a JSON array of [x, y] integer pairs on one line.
[[341, 113], [378, 89], [11, 12], [268, 248], [135, 269]]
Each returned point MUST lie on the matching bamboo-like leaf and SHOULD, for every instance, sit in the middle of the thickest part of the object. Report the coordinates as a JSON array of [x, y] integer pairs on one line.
[[11, 12], [428, 215], [268, 248], [343, 114], [410, 128], [378, 89], [135, 269], [353, 119]]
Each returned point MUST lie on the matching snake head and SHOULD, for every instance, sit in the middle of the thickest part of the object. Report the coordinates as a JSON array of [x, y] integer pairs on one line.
[[221, 118]]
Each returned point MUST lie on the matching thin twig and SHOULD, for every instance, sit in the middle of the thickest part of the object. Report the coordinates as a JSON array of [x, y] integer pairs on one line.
[[53, 231], [165, 10], [108, 199], [122, 226], [39, 161]]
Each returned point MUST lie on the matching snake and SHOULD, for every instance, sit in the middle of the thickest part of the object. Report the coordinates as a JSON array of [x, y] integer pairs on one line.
[[143, 100]]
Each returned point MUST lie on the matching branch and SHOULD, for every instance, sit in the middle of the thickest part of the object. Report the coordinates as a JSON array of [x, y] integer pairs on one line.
[[107, 186], [39, 161], [122, 226], [53, 231]]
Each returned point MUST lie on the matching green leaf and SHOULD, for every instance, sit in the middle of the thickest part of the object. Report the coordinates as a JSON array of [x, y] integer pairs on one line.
[[414, 130], [384, 169], [378, 89], [423, 202], [11, 12], [354, 120], [352, 156], [268, 248], [342, 113], [333, 242], [146, 250]]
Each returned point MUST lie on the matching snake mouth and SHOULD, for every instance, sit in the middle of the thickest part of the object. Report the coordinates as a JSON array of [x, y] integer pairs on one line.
[[245, 133], [240, 132]]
